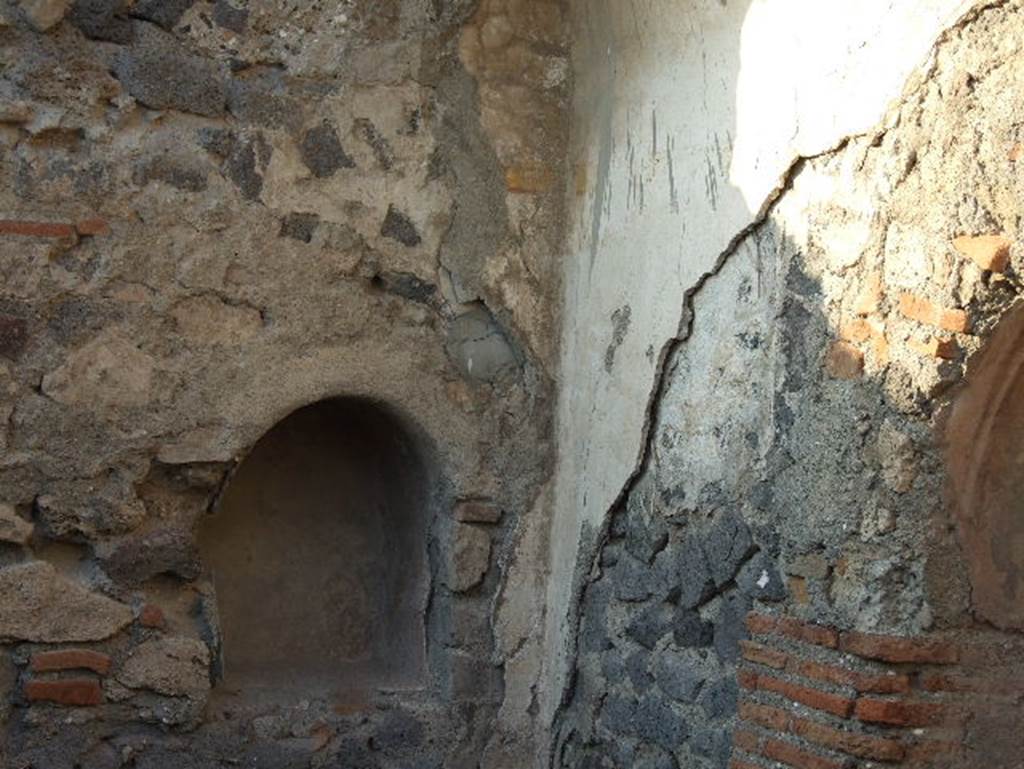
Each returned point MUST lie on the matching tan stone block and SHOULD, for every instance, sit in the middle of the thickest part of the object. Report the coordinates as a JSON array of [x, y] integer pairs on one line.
[[471, 557]]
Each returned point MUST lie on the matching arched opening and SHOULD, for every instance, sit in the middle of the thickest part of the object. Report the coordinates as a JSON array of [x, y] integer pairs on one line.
[[317, 553]]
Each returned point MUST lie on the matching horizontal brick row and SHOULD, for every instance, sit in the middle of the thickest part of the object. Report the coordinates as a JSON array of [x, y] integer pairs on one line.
[[781, 751], [887, 683], [859, 745], [882, 648], [33, 229]]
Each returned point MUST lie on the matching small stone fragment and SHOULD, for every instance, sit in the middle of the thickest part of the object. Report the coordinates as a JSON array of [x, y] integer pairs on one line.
[[398, 226], [990, 252], [844, 361], [477, 511], [470, 557], [172, 666], [45, 14], [13, 528]]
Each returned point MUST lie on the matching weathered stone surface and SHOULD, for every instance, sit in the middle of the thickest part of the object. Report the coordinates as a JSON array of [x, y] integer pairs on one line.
[[108, 372], [45, 14], [173, 666], [13, 528], [727, 544], [138, 557], [471, 556], [37, 604], [209, 320], [760, 579]]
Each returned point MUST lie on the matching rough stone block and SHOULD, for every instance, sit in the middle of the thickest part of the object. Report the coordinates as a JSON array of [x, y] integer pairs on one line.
[[162, 75], [45, 14], [172, 666], [37, 604], [399, 227], [727, 545], [658, 722]]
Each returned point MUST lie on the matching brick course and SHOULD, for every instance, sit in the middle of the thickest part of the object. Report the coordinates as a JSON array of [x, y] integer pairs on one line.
[[73, 692]]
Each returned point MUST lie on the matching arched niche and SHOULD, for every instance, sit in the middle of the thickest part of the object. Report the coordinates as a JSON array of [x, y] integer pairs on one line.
[[317, 552], [985, 456]]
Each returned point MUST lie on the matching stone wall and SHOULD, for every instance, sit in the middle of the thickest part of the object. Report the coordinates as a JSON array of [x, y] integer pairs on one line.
[[213, 214], [795, 459]]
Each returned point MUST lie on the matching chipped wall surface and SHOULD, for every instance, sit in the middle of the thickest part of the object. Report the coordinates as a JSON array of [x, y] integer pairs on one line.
[[687, 122], [795, 458], [213, 214]]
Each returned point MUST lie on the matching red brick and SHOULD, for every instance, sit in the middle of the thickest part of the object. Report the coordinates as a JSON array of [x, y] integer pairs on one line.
[[818, 635], [895, 713], [763, 655], [762, 624], [835, 704], [36, 229], [860, 745], [744, 739], [71, 659], [990, 252], [924, 311], [747, 679], [151, 616], [862, 682], [764, 715], [899, 649], [66, 691], [93, 227], [794, 756]]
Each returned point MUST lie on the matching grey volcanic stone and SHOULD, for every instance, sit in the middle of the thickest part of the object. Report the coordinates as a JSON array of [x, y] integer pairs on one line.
[[760, 579], [651, 624], [398, 226], [718, 698], [726, 546], [659, 723], [730, 626], [160, 74], [165, 13], [322, 151]]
